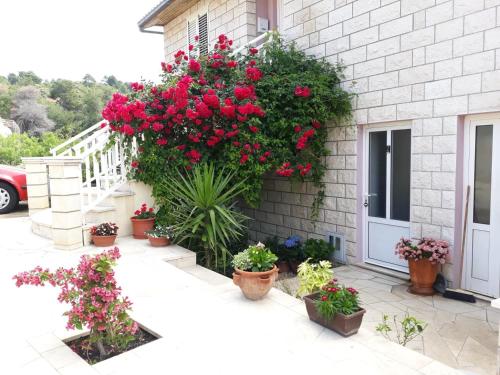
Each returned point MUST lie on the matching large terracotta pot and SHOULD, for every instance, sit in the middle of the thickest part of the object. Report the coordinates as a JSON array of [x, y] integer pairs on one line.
[[103, 241], [423, 275], [158, 241], [139, 226], [346, 325], [255, 285]]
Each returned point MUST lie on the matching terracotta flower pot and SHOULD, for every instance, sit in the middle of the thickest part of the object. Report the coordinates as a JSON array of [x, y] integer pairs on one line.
[[255, 285], [423, 275], [158, 241], [346, 325], [139, 226], [103, 241]]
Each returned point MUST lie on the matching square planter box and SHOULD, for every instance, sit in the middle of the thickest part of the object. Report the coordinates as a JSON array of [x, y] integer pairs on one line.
[[346, 325]]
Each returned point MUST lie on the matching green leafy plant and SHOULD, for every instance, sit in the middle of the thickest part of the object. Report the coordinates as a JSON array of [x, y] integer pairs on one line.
[[337, 299], [16, 146], [202, 203], [317, 250], [404, 331], [256, 258], [160, 231], [312, 276]]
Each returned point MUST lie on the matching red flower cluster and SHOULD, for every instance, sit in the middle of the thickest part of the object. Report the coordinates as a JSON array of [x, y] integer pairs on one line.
[[302, 141], [144, 212], [303, 91]]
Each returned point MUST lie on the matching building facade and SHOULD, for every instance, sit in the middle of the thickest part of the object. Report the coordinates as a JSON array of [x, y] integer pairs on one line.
[[421, 156]]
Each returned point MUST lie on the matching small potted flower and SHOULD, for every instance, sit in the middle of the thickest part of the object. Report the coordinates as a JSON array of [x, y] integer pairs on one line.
[[104, 234], [142, 221], [160, 235], [423, 258], [255, 271], [336, 307], [293, 248]]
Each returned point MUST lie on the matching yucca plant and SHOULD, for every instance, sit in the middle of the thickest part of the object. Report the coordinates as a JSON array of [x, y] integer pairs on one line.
[[202, 206]]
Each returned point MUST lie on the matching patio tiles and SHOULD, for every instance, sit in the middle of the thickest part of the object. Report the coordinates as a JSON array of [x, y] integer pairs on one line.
[[198, 316], [459, 334]]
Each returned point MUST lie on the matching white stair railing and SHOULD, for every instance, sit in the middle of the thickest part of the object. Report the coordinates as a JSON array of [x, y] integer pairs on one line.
[[257, 42], [103, 166]]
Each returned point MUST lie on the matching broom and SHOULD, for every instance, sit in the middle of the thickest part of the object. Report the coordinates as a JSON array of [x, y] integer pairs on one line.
[[440, 284]]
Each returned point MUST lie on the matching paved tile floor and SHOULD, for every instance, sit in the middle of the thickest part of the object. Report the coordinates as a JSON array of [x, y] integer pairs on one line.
[[459, 334], [206, 325]]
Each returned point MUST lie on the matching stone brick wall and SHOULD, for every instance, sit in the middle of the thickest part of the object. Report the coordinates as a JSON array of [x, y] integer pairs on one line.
[[430, 62], [286, 208], [235, 18]]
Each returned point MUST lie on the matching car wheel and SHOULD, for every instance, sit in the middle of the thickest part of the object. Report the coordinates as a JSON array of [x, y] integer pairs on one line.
[[8, 198]]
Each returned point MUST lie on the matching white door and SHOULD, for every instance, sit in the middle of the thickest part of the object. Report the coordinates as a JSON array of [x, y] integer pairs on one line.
[[386, 203], [482, 174]]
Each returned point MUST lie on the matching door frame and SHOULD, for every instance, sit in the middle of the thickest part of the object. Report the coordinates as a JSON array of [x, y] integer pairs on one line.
[[367, 129], [470, 123]]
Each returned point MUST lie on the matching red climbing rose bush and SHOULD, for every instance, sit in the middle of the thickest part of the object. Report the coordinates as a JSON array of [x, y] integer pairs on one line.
[[94, 297], [214, 108]]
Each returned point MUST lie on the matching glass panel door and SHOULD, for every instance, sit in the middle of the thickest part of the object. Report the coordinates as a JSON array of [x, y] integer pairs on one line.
[[377, 188], [387, 197]]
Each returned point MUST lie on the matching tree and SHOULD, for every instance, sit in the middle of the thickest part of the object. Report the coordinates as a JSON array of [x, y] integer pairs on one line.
[[28, 114], [12, 78], [88, 80], [66, 93]]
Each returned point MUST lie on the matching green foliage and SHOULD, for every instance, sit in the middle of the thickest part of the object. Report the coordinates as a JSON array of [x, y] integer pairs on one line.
[[72, 105], [15, 146], [285, 67], [202, 204], [317, 250], [312, 276], [335, 299], [410, 328], [256, 258]]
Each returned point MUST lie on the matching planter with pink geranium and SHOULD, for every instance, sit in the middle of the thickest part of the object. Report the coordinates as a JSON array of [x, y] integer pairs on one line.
[[423, 258], [142, 221]]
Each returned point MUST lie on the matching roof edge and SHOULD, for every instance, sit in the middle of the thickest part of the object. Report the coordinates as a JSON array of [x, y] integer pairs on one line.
[[152, 14]]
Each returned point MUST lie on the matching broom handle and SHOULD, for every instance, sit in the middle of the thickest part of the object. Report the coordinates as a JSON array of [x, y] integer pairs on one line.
[[464, 234]]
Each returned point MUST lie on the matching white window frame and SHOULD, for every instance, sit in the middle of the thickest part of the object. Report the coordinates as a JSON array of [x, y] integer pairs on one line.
[[196, 18]]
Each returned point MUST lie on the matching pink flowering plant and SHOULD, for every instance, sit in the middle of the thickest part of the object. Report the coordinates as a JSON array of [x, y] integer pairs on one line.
[[436, 251], [144, 212], [244, 112], [337, 299], [95, 299]]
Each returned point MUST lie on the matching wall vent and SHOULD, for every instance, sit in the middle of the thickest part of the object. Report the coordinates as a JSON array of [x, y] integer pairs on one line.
[[337, 240]]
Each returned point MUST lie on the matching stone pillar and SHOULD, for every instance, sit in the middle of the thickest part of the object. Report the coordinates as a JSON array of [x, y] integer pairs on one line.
[[37, 184], [65, 176]]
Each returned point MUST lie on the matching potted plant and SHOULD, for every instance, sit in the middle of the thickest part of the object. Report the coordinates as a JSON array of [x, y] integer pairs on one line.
[[336, 307], [293, 249], [312, 276], [104, 234], [423, 257], [255, 271], [317, 250], [279, 249], [142, 221], [160, 235]]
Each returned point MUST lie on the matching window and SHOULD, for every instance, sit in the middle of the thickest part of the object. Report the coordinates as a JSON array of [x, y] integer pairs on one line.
[[198, 26]]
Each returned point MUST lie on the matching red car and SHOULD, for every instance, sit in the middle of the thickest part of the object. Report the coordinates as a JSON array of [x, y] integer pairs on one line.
[[12, 188]]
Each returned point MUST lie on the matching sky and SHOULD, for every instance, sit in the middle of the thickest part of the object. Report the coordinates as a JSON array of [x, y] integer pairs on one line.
[[69, 38]]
